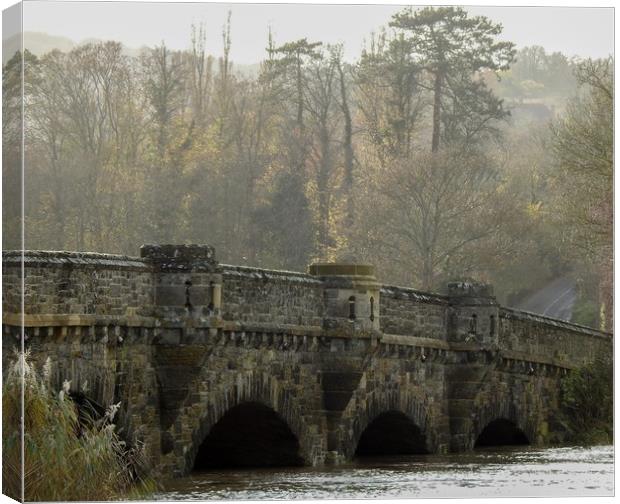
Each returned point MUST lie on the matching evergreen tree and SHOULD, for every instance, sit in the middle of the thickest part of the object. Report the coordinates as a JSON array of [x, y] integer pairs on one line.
[[453, 48]]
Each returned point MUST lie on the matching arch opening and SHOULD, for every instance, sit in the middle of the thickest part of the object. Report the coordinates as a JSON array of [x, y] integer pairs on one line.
[[249, 435], [501, 432], [88, 411], [391, 433]]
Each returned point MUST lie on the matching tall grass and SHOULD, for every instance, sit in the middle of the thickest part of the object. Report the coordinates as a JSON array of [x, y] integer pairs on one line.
[[68, 455], [587, 403]]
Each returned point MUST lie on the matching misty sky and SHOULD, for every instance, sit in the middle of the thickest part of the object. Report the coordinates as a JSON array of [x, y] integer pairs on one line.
[[571, 30]]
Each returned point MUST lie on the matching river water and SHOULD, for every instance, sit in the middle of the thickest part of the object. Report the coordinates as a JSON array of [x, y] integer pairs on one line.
[[496, 472]]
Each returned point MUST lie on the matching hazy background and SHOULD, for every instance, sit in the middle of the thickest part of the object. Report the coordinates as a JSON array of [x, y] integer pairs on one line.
[[582, 31]]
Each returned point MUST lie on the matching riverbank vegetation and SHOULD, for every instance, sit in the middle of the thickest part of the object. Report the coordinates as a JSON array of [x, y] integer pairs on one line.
[[441, 152], [587, 403], [69, 455]]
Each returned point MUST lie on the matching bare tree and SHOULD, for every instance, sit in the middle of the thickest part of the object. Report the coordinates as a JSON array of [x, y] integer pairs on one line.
[[321, 89], [432, 209]]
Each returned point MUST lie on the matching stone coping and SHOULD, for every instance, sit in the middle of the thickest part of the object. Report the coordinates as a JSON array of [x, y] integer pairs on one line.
[[180, 258], [398, 292], [253, 273], [470, 289], [50, 258], [510, 313], [182, 253]]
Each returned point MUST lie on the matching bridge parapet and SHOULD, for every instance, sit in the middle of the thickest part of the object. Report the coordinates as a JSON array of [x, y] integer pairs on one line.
[[409, 312], [567, 344], [261, 297], [77, 284]]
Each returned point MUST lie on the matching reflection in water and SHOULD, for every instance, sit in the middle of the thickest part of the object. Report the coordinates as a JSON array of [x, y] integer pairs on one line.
[[510, 472]]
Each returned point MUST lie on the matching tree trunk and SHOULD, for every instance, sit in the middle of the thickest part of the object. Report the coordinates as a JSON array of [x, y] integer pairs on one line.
[[323, 190], [428, 275], [300, 99], [348, 149], [301, 138], [436, 111]]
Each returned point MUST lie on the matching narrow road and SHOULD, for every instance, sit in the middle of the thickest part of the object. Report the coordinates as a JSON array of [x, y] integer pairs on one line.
[[555, 300]]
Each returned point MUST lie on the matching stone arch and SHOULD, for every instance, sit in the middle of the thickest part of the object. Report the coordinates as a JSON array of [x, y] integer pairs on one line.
[[391, 433], [505, 410], [250, 387], [250, 434], [402, 400], [523, 399], [100, 371], [501, 432], [100, 383], [88, 408], [87, 377]]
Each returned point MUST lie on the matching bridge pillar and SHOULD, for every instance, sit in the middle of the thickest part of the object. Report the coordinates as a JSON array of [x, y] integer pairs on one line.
[[187, 309], [473, 328], [351, 310]]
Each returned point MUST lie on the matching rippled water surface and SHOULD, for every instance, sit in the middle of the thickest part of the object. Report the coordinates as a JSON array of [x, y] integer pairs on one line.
[[514, 472]]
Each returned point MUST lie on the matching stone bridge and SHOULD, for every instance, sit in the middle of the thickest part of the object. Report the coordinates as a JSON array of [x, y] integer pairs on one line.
[[218, 365]]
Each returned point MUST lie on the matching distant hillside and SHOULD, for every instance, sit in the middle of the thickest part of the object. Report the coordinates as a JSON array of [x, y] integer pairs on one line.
[[37, 43], [41, 43]]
